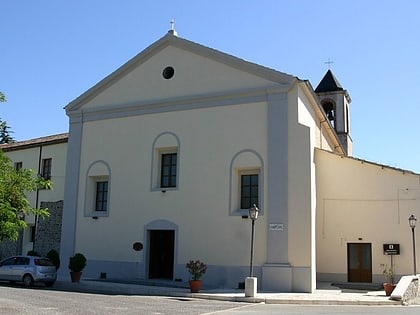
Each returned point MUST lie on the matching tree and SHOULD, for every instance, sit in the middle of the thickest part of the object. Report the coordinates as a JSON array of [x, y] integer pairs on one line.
[[5, 136], [14, 205]]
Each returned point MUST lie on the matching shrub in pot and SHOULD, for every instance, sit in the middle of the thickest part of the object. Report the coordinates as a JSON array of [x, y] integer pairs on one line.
[[77, 263]]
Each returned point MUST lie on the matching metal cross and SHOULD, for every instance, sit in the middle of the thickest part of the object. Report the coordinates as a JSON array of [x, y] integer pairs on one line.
[[172, 24], [329, 62]]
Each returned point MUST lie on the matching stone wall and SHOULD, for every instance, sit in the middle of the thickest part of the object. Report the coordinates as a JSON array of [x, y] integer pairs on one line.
[[48, 230], [8, 248]]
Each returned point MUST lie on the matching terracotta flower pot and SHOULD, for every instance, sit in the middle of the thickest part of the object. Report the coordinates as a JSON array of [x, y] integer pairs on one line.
[[195, 286], [75, 276], [389, 287]]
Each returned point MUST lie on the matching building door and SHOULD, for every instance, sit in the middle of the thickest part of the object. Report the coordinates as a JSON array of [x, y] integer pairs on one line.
[[359, 262], [161, 254]]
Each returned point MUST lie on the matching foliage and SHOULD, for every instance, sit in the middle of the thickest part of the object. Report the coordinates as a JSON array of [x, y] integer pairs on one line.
[[54, 257], [388, 272], [196, 269], [32, 253], [5, 136], [14, 205], [77, 262]]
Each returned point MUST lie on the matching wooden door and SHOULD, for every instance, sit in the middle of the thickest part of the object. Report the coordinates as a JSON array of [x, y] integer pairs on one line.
[[359, 262], [161, 254]]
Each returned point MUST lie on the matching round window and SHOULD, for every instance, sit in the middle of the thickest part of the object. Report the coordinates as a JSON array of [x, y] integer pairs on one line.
[[168, 72]]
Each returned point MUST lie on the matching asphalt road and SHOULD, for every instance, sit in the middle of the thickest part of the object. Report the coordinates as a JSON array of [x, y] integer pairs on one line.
[[40, 300]]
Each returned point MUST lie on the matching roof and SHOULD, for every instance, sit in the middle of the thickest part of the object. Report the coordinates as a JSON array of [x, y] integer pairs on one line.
[[48, 140], [171, 39], [363, 161], [329, 83]]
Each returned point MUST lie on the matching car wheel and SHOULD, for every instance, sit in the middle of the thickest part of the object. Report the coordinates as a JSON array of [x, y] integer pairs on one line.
[[27, 280], [49, 284]]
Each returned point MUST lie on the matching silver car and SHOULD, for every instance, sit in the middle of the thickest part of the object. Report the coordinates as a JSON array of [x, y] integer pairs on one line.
[[28, 269]]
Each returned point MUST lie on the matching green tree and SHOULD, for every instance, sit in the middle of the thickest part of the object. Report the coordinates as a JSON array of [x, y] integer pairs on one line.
[[5, 136], [14, 205]]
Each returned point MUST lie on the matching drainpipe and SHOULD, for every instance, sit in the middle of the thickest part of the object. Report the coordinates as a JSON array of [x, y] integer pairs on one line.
[[37, 196]]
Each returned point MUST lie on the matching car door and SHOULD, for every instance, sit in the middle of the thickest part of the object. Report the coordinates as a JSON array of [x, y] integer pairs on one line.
[[20, 268], [6, 268]]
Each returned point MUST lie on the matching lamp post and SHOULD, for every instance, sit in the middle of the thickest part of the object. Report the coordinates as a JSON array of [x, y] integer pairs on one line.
[[412, 220], [253, 215], [251, 282]]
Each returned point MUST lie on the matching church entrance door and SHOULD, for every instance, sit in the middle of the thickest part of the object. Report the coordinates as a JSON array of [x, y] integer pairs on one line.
[[161, 254], [359, 262]]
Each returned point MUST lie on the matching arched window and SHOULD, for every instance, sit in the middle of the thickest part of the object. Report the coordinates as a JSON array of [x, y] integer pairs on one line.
[[98, 187], [165, 162], [329, 109], [246, 182]]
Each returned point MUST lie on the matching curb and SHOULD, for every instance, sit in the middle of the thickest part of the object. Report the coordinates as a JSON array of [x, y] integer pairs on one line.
[[112, 288]]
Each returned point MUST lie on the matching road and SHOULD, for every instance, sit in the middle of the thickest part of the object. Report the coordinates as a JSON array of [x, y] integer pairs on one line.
[[40, 300]]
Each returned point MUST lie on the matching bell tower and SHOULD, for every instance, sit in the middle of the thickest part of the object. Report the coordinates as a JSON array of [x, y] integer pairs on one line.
[[335, 101]]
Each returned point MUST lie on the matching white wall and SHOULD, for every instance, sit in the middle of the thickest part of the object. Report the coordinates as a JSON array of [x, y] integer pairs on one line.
[[358, 201], [209, 139]]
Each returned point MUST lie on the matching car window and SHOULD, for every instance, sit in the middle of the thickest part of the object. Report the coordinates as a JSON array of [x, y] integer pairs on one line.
[[9, 262], [43, 262], [22, 261]]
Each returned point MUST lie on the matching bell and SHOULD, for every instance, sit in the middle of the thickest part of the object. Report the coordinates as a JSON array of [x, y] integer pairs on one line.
[[330, 115]]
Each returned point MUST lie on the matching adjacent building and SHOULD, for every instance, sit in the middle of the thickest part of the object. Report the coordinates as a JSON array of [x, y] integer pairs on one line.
[[46, 156]]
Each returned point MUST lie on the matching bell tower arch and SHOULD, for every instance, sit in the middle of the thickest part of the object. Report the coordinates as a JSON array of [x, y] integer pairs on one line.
[[336, 101]]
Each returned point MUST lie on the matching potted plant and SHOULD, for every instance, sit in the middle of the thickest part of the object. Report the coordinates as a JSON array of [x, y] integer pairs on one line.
[[77, 263], [197, 269], [388, 272]]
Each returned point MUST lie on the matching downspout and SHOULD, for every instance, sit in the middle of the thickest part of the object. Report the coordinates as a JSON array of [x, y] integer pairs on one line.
[[37, 196]]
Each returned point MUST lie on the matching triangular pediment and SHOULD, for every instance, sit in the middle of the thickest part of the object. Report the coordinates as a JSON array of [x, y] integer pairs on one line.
[[197, 71]]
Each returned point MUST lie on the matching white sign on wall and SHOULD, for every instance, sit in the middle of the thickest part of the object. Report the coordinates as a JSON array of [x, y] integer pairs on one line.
[[276, 226]]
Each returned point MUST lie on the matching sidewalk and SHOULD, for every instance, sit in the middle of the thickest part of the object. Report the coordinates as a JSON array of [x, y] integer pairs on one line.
[[325, 295]]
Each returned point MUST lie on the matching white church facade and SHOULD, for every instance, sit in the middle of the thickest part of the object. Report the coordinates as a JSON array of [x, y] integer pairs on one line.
[[166, 155]]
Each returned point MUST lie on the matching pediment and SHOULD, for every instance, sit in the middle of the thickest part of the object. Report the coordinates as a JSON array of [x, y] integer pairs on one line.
[[197, 71]]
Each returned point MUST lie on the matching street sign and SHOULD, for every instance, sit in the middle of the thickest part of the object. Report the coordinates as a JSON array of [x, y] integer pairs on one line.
[[391, 249]]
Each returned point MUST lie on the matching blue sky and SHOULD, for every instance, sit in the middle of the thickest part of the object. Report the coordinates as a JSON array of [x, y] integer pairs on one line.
[[52, 51]]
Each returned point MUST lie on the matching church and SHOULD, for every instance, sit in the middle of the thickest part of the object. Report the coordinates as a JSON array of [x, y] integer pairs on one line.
[[166, 155]]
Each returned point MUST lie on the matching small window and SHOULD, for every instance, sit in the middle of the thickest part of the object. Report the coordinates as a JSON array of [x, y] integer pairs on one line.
[[101, 196], [18, 166], [249, 190], [46, 168], [168, 170]]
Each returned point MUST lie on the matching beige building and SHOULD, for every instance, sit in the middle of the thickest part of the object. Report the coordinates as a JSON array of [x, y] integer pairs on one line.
[[362, 206], [46, 156], [166, 155]]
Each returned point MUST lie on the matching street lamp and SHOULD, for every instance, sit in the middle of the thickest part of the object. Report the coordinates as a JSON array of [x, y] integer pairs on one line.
[[412, 220], [251, 282], [253, 215]]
